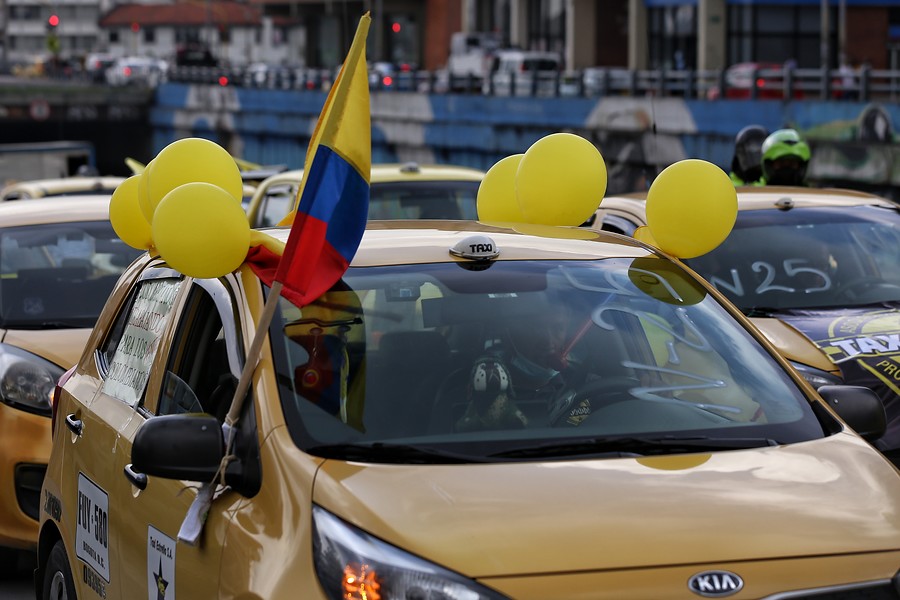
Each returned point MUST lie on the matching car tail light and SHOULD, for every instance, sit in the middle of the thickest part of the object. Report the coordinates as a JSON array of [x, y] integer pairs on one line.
[[387, 81], [127, 71], [54, 400], [760, 82], [223, 81]]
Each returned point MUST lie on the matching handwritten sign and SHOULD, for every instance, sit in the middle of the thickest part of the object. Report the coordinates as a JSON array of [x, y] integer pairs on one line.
[[130, 367]]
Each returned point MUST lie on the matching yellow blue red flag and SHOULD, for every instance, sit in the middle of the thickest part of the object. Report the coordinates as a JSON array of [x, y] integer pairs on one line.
[[333, 200]]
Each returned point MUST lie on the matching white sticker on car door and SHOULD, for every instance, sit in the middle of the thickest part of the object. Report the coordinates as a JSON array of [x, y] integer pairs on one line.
[[92, 532], [160, 565]]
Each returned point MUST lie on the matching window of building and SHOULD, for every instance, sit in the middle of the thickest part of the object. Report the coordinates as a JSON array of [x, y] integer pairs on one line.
[[547, 25], [149, 34], [113, 36], [778, 34], [672, 37]]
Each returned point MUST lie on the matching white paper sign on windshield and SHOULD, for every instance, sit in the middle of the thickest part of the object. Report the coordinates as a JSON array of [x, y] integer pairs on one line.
[[130, 367]]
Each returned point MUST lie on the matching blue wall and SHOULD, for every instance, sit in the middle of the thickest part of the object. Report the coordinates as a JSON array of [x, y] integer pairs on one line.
[[637, 136]]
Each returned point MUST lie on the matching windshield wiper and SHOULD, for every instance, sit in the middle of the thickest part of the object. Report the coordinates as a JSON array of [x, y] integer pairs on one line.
[[381, 452], [635, 446]]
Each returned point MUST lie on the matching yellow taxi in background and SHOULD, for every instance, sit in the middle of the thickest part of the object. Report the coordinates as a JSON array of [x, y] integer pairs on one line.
[[471, 412], [59, 259], [397, 191], [817, 270], [61, 186]]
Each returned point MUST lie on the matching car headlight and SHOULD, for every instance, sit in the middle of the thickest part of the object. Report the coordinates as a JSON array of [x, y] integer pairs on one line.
[[27, 380], [816, 377], [353, 565]]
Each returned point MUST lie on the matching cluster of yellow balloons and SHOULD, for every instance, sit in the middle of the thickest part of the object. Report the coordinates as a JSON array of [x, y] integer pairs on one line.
[[186, 204], [561, 180]]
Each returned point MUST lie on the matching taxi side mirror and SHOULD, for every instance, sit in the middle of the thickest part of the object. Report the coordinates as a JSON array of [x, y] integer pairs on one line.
[[184, 446], [859, 407]]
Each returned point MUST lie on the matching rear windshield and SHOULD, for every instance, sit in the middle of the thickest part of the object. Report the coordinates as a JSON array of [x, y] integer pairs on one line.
[[58, 275], [457, 359]]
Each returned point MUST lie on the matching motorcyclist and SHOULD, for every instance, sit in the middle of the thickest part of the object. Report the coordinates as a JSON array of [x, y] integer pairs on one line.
[[785, 157], [746, 165]]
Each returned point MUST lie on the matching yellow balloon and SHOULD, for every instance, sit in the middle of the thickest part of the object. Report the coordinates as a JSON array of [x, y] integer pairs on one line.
[[126, 216], [691, 208], [186, 161], [201, 231], [496, 200], [560, 180], [143, 192]]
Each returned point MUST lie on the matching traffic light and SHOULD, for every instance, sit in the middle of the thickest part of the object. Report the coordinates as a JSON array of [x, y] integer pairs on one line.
[[52, 22]]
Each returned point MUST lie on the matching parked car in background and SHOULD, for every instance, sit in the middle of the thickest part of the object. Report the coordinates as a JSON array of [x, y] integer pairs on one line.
[[816, 270], [524, 73], [138, 71], [470, 59], [742, 78], [397, 191], [59, 259], [62, 186], [96, 64], [661, 448]]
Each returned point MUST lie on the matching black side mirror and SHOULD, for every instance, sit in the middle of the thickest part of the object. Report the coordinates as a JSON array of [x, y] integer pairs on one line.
[[184, 446], [859, 407]]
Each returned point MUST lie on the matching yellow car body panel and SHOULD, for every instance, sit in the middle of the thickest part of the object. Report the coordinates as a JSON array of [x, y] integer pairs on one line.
[[26, 437], [566, 529]]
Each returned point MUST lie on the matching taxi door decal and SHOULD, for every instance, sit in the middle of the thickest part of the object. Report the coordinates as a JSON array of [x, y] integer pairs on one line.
[[92, 532], [865, 345], [160, 565]]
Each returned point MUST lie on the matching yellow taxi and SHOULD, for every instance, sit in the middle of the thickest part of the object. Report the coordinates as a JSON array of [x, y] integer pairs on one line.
[[817, 271], [472, 412], [398, 191], [61, 186], [59, 260]]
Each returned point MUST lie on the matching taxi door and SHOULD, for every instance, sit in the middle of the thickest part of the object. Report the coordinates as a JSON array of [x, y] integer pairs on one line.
[[198, 360], [101, 403]]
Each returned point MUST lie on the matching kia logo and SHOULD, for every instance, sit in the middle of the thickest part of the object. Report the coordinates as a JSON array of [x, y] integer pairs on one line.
[[715, 584]]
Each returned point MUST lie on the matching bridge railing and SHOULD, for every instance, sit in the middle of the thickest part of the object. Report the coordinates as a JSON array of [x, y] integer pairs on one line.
[[758, 83]]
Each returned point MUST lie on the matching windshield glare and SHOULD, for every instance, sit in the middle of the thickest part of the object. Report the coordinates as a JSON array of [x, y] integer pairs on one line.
[[477, 359], [807, 258]]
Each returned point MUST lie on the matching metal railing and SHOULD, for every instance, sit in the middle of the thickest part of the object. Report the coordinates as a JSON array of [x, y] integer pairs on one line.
[[763, 83]]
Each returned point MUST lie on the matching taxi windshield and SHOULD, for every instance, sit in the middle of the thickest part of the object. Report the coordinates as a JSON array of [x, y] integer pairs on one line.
[[527, 360], [820, 258], [59, 275]]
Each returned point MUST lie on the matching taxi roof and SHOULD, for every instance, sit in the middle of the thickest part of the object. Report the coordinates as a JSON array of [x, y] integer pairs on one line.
[[55, 210], [393, 172], [39, 188], [418, 242], [766, 197]]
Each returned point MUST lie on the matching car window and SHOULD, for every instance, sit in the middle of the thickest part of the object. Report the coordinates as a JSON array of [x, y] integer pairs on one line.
[[278, 200], [600, 348], [128, 352], [807, 258], [59, 274], [199, 377], [424, 200]]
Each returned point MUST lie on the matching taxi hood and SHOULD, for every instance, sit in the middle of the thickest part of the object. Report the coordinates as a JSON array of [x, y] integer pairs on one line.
[[486, 520], [62, 347]]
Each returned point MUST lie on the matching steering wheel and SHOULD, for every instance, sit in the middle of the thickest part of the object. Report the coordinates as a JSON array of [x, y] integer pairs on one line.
[[600, 392], [854, 288]]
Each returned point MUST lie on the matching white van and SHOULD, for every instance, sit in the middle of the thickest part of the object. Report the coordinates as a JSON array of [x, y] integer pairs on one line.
[[524, 73]]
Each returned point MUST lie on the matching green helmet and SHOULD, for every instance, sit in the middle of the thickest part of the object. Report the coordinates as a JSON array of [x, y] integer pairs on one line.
[[785, 157]]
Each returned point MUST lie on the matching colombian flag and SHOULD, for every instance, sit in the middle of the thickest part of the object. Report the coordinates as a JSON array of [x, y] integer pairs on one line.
[[333, 200]]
